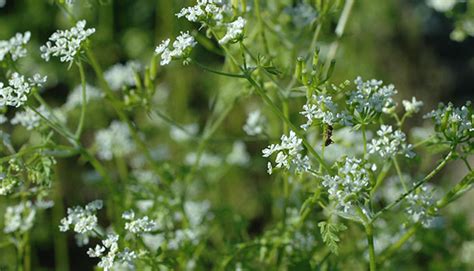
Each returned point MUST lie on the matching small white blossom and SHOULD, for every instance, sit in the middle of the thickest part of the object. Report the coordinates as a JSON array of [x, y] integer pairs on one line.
[[419, 204], [413, 106], [322, 109], [19, 218], [15, 46], [453, 122], [114, 141], [255, 123], [184, 133], [390, 143], [196, 211], [204, 11], [121, 75], [16, 93], [288, 154], [75, 97], [139, 225], [234, 30], [82, 220], [66, 44], [181, 48], [37, 80], [238, 155]]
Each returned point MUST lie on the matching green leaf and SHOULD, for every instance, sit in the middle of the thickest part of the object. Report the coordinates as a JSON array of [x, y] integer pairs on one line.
[[329, 233]]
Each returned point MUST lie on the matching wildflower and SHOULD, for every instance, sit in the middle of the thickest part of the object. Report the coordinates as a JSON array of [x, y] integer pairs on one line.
[[121, 75], [7, 184], [196, 211], [115, 140], [453, 123], [288, 154], [390, 143], [181, 49], [37, 80], [184, 133], [16, 93], [29, 118], [322, 109], [413, 106], [255, 123], [350, 185], [107, 259], [66, 44], [83, 220], [238, 155], [15, 46], [19, 218], [419, 204], [205, 11], [234, 30], [139, 225]]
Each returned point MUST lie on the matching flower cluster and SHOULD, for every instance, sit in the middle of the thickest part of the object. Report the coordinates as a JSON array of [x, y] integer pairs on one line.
[[234, 30], [82, 220], [121, 75], [15, 46], [19, 218], [390, 143], [453, 123], [115, 140], [113, 257], [75, 97], [420, 206], [288, 154], [350, 183], [321, 109], [181, 49], [255, 123], [370, 99], [138, 225], [66, 44], [204, 11], [16, 93], [29, 118]]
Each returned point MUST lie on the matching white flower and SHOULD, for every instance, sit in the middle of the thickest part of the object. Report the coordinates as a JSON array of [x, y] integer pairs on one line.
[[16, 93], [419, 204], [181, 49], [66, 44], [83, 220], [37, 80], [234, 30], [255, 123], [75, 97], [184, 133], [322, 109], [19, 218], [204, 11], [15, 46], [441, 5], [413, 106], [96, 252], [29, 118], [453, 122], [114, 141], [288, 154], [390, 143], [121, 75], [196, 211], [238, 155], [371, 97], [139, 225]]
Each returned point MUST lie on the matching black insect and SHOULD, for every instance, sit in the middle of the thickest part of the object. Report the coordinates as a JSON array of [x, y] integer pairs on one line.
[[327, 136]]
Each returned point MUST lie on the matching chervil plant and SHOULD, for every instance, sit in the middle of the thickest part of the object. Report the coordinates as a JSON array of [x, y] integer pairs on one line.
[[141, 182]]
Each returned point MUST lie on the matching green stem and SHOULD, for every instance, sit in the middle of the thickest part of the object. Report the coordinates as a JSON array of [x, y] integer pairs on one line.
[[397, 245], [235, 75], [78, 132], [364, 138], [399, 172], [261, 26], [420, 183], [370, 240]]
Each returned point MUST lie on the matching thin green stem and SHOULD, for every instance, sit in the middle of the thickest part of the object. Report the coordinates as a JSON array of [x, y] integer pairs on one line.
[[261, 27], [80, 126], [235, 75], [428, 177], [399, 173], [370, 240]]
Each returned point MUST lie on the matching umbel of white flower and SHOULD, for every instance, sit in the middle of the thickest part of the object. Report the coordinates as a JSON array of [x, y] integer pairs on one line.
[[115, 140], [349, 186], [412, 106], [255, 123], [390, 143], [15, 46], [288, 154], [419, 204], [75, 97], [234, 30], [454, 123], [29, 118], [16, 93], [83, 220], [66, 44], [138, 225], [121, 75], [180, 49], [113, 256], [19, 218], [204, 11], [321, 109]]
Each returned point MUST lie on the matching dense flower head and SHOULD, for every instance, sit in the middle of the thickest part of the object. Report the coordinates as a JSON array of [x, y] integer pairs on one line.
[[16, 93], [205, 12], [15, 46], [121, 75], [83, 220], [350, 185], [453, 123], [370, 98], [419, 205], [116, 140], [180, 49], [322, 110], [234, 30], [109, 253], [138, 225], [75, 97], [390, 143], [66, 44], [412, 106], [19, 218], [288, 154], [255, 123]]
